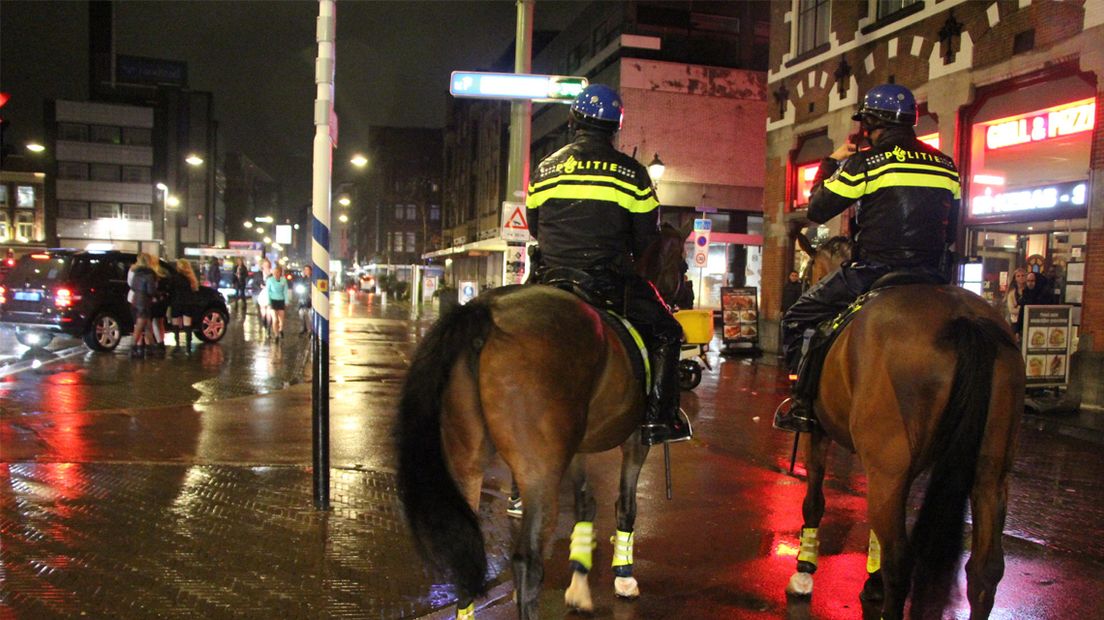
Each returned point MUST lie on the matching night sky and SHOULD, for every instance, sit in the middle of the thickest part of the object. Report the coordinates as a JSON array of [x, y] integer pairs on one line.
[[393, 61]]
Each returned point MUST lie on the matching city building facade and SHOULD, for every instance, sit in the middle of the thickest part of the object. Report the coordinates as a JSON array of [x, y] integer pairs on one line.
[[1008, 89]]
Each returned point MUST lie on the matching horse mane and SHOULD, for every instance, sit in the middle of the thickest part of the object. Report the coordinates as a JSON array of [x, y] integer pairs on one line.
[[836, 247]]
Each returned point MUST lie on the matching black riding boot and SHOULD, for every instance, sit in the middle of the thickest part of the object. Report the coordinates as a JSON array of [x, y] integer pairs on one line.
[[795, 414], [663, 420]]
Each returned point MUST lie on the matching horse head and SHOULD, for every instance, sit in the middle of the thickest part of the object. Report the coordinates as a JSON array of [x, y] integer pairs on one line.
[[664, 262]]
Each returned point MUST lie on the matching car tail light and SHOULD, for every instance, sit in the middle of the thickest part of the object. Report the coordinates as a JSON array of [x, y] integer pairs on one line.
[[64, 298], [3, 295]]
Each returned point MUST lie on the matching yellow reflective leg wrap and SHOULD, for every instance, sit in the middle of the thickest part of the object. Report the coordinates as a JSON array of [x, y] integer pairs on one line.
[[582, 544], [467, 613], [874, 554], [810, 546], [622, 548]]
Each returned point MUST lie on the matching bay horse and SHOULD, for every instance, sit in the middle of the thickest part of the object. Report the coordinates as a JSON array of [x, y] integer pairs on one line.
[[925, 378], [537, 375]]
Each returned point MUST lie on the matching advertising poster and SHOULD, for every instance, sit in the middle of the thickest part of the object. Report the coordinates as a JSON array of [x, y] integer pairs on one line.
[[1046, 345], [740, 314]]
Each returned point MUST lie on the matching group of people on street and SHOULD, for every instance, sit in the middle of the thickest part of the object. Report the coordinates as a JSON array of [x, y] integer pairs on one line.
[[155, 297], [1027, 288]]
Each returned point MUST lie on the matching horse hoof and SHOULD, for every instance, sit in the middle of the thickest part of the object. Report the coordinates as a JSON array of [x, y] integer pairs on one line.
[[801, 584], [577, 595], [626, 587]]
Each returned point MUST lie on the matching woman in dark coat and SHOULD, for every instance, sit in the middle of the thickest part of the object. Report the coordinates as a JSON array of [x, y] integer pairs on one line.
[[183, 301]]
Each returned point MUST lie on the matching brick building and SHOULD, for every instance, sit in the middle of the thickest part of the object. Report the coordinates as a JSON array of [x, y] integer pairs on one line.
[[1009, 89]]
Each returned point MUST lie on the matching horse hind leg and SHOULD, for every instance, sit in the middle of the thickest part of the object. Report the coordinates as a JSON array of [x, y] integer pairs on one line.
[[812, 511], [578, 594], [539, 488], [633, 453], [886, 497]]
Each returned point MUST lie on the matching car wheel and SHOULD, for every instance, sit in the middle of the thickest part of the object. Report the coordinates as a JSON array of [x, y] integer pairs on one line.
[[212, 325], [34, 338], [104, 334]]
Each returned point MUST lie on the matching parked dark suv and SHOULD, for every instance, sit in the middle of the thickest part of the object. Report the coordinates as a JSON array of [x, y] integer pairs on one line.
[[84, 294]]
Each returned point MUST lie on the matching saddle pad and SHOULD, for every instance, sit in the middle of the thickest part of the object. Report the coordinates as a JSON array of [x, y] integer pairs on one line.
[[634, 346]]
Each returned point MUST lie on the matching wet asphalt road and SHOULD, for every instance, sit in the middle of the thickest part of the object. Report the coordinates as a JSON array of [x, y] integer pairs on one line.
[[212, 449]]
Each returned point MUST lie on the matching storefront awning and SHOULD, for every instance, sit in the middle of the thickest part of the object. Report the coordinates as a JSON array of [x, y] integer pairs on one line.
[[484, 245]]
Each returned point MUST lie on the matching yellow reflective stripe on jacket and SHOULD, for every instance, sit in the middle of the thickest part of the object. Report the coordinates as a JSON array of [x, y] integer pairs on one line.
[[605, 193], [847, 190], [911, 179], [642, 192]]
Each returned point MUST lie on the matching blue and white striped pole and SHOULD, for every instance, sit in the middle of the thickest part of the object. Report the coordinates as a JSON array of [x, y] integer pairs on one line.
[[324, 141]]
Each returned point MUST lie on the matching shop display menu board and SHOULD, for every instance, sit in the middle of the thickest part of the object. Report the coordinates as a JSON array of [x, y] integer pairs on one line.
[[740, 314], [1046, 344]]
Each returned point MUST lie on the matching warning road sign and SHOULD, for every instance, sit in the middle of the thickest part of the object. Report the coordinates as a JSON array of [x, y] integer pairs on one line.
[[514, 225]]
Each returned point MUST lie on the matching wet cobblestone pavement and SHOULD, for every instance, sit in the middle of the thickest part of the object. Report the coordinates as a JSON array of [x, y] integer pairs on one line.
[[202, 507]]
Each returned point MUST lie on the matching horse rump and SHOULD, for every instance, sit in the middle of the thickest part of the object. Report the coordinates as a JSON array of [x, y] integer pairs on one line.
[[444, 526], [936, 539]]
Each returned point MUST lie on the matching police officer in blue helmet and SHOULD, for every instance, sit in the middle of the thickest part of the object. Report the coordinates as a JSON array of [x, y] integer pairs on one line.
[[906, 195], [593, 211]]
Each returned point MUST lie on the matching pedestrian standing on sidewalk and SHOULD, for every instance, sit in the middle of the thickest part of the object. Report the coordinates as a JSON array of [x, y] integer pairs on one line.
[[791, 291], [241, 278], [183, 301], [277, 298], [214, 273], [143, 286], [159, 308]]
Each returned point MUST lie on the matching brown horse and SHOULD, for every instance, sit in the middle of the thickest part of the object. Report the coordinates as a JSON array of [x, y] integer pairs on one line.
[[924, 378], [539, 376]]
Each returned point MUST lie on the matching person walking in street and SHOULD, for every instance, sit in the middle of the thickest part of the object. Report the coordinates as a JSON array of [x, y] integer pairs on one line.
[[277, 288], [143, 286], [260, 278], [594, 209], [241, 279], [214, 273], [909, 196], [183, 301]]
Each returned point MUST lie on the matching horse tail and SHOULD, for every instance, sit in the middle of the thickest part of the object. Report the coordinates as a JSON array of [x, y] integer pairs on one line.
[[936, 539], [445, 528]]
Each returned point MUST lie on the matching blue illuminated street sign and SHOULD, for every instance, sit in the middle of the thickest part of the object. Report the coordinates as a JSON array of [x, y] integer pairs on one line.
[[483, 85]]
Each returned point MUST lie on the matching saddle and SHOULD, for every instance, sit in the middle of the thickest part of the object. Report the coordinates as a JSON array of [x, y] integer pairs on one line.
[[808, 375], [584, 286]]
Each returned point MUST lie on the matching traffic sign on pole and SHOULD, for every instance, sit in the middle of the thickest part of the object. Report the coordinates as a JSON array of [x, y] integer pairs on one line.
[[484, 85], [702, 227]]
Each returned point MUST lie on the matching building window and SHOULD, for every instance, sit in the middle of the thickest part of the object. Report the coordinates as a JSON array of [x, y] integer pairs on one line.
[[812, 24], [411, 244], [25, 196], [397, 242], [104, 172], [73, 170], [102, 210], [889, 7], [105, 133], [399, 211], [24, 227], [136, 174], [137, 136], [434, 212], [73, 209], [3, 195], [73, 132], [136, 212], [411, 212]]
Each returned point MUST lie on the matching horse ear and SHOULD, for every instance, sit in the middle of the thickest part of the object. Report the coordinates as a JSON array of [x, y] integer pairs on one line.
[[686, 229]]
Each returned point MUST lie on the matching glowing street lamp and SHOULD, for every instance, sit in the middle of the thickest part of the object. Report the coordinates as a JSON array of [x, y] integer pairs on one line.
[[268, 239], [35, 147], [359, 160], [194, 160], [344, 201], [247, 224], [656, 168], [172, 201], [343, 218]]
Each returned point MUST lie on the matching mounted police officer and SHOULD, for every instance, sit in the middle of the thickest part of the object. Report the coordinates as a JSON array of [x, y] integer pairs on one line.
[[907, 196], [593, 211]]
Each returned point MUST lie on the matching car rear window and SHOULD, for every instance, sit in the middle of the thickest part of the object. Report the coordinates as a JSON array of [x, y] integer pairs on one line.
[[40, 269]]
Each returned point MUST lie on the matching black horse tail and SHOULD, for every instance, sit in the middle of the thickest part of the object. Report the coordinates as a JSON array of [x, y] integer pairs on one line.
[[445, 528], [936, 539]]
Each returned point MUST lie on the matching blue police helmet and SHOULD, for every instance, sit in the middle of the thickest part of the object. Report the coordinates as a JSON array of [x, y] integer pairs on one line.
[[889, 103], [599, 107]]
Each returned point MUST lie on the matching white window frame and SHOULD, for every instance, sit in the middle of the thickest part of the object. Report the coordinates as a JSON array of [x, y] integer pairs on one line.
[[795, 28]]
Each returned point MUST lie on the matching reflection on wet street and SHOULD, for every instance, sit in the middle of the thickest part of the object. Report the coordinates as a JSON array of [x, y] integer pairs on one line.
[[181, 487]]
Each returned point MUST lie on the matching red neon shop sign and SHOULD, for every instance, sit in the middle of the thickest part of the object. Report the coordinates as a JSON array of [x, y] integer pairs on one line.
[[1055, 122]]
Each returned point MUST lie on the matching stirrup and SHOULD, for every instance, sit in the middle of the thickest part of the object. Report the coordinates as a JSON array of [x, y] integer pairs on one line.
[[787, 421]]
